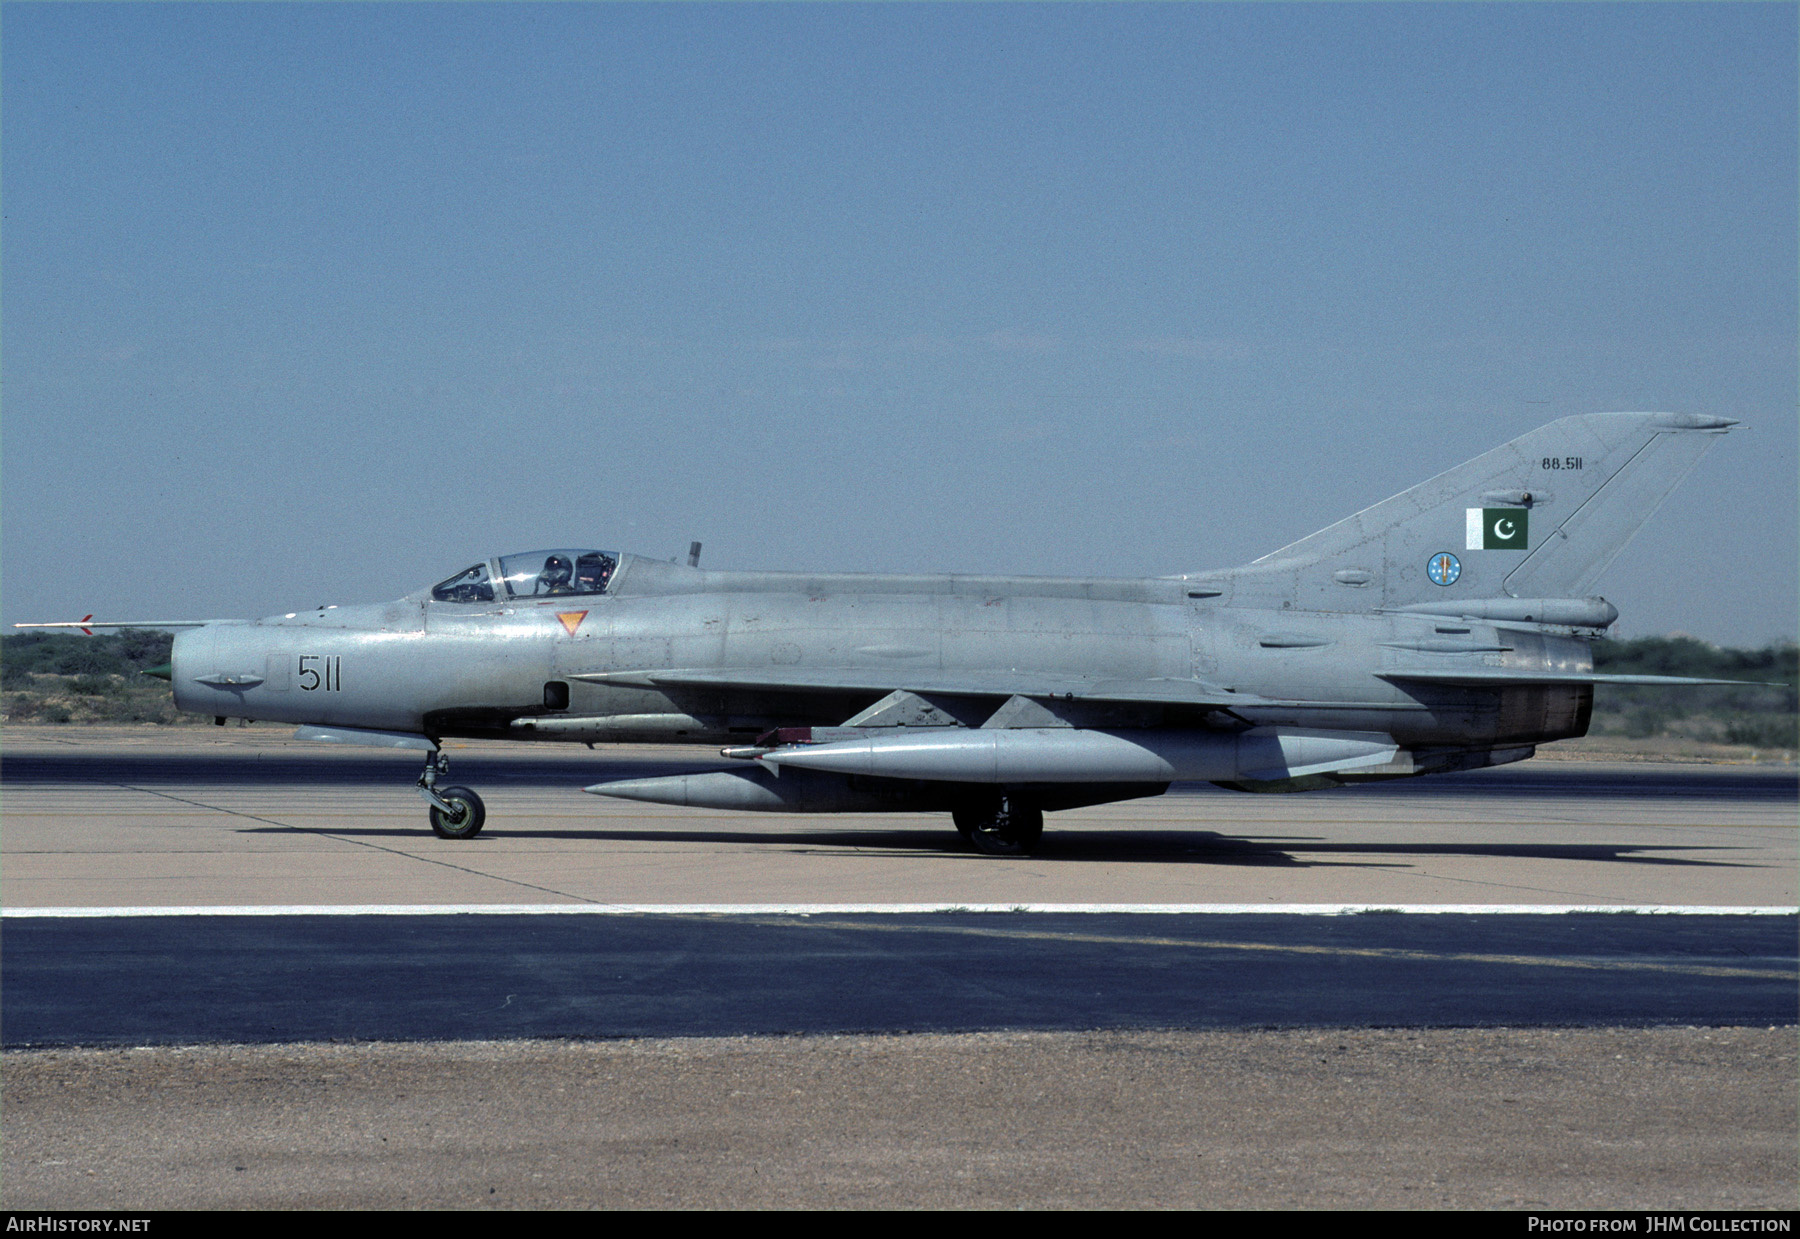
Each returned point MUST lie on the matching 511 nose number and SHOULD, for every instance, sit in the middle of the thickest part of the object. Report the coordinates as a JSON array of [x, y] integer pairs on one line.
[[328, 675]]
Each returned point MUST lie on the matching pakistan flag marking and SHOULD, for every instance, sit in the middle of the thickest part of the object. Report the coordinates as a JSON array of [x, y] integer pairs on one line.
[[1498, 529]]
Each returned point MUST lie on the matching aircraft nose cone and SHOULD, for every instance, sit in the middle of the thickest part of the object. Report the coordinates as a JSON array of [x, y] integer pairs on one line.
[[164, 672]]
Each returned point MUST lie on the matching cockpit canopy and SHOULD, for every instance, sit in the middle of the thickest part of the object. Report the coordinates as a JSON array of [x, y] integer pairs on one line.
[[531, 574]]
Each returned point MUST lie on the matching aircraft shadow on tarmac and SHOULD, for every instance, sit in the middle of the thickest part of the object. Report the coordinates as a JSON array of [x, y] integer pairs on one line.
[[1089, 846], [1527, 780]]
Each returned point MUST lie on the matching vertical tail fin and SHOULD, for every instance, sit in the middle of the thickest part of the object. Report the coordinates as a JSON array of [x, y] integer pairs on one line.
[[1539, 517]]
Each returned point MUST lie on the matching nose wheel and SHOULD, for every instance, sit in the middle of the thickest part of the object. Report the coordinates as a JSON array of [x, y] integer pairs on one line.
[[455, 812], [466, 815]]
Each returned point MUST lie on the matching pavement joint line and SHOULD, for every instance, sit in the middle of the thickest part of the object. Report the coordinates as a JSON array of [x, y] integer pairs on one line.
[[598, 908], [310, 830]]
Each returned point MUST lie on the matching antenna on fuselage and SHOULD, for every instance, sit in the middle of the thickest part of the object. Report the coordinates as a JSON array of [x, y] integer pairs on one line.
[[693, 554]]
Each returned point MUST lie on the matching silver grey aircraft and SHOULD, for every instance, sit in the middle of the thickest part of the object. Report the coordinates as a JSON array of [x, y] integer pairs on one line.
[[1446, 628]]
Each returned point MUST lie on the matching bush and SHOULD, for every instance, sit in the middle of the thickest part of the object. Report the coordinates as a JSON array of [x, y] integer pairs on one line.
[[64, 678], [61, 653], [90, 660], [1764, 733], [143, 648], [95, 686]]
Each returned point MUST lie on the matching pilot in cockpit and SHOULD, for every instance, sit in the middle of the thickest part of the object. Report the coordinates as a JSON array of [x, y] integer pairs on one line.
[[592, 572], [554, 579]]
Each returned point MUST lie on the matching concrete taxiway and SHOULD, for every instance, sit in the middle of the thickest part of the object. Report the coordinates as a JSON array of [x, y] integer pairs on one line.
[[123, 818]]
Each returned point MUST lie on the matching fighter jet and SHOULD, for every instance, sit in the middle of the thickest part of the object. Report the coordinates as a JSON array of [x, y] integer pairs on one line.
[[1446, 628]]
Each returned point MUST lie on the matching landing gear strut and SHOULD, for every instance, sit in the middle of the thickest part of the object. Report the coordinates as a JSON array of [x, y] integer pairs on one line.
[[456, 812], [1000, 827]]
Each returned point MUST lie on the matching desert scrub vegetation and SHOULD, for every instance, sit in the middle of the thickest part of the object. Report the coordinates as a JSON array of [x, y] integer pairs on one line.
[[1759, 717], [63, 678]]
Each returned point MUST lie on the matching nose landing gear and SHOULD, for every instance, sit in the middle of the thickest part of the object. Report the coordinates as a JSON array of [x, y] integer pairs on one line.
[[456, 812]]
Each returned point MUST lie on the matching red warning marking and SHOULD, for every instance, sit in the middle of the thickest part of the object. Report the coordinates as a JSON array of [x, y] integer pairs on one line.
[[571, 620], [85, 619]]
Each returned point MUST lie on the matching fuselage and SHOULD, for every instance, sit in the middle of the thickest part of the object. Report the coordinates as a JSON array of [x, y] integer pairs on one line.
[[549, 667]]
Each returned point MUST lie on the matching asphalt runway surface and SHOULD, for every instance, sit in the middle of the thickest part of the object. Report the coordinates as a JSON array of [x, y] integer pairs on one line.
[[183, 980], [1510, 1053]]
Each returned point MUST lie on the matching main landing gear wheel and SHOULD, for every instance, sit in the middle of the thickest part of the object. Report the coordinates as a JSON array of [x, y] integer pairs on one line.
[[1002, 827], [466, 822]]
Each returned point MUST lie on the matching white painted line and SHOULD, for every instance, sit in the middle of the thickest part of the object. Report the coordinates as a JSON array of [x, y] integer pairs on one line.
[[893, 909]]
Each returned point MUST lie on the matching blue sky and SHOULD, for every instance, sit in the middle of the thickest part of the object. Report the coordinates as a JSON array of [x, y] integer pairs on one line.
[[319, 303]]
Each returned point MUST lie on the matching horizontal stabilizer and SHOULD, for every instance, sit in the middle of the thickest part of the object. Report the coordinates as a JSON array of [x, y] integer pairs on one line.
[[1481, 677]]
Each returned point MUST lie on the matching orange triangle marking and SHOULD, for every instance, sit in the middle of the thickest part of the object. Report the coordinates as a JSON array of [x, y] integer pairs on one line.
[[571, 620]]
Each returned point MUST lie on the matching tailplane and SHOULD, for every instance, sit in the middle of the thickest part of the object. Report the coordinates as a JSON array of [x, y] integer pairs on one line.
[[1537, 518]]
